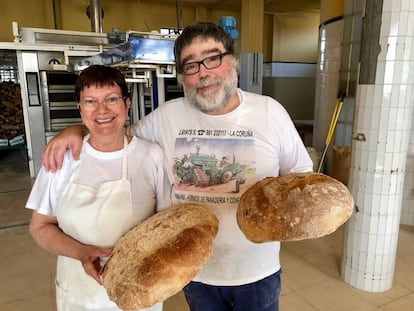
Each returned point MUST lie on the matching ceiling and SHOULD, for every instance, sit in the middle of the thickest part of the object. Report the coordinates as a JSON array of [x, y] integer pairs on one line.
[[275, 6]]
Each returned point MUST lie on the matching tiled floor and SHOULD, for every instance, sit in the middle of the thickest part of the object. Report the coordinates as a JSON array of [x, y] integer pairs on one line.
[[311, 278]]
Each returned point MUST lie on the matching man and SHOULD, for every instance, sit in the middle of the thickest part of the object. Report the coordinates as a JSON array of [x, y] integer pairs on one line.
[[217, 120]]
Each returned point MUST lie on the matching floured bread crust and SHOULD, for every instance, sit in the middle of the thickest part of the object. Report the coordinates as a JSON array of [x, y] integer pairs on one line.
[[294, 207], [157, 258]]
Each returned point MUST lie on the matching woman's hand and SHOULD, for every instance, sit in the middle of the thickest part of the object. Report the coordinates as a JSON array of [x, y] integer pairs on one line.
[[90, 259]]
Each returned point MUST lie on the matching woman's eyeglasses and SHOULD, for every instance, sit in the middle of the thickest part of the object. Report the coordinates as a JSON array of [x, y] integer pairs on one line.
[[93, 104]]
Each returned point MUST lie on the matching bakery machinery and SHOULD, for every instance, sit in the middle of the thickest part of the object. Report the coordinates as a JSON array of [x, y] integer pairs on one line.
[[48, 64], [147, 62]]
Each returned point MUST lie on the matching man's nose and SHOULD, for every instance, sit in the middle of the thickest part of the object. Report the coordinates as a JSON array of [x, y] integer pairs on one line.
[[203, 70]]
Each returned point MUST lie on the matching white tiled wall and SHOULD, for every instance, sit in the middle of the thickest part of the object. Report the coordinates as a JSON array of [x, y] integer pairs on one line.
[[383, 115], [407, 209]]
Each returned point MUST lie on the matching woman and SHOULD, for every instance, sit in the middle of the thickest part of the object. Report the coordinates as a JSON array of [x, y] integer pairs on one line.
[[80, 211]]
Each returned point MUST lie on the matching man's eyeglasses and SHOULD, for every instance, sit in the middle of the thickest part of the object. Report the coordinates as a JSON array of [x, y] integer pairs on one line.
[[93, 104], [210, 62]]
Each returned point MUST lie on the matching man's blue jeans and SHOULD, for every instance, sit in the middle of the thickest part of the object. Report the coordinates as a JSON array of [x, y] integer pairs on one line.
[[262, 295]]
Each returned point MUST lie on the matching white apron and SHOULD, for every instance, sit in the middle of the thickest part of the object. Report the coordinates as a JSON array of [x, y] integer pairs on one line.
[[95, 216]]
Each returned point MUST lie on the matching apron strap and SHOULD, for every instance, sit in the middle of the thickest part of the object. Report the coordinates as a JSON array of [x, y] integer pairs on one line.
[[125, 159]]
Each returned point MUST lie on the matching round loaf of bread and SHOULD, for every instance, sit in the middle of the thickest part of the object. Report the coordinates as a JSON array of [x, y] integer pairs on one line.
[[293, 207], [157, 258]]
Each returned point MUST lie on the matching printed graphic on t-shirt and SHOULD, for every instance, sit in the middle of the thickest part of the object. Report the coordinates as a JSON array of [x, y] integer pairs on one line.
[[213, 170]]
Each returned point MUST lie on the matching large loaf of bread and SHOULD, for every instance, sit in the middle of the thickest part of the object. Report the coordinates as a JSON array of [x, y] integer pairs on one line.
[[294, 207], [157, 258]]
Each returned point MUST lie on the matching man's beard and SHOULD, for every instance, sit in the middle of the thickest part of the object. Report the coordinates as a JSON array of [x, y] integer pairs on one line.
[[216, 99]]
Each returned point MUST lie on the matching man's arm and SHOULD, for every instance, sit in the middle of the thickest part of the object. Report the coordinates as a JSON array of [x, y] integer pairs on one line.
[[69, 138]]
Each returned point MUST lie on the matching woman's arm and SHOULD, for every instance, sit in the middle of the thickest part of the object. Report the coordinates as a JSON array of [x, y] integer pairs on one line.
[[46, 233]]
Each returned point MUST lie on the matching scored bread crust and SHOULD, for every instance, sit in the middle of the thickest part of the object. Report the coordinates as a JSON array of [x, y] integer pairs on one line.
[[157, 258], [293, 207]]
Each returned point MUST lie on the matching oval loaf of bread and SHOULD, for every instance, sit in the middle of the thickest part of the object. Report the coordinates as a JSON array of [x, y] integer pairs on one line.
[[293, 207], [158, 257]]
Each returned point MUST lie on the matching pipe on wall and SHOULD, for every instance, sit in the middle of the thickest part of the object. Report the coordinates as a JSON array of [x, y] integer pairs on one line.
[[96, 15], [55, 23]]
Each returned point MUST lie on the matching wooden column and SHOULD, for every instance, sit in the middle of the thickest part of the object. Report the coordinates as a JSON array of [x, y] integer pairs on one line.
[[251, 34]]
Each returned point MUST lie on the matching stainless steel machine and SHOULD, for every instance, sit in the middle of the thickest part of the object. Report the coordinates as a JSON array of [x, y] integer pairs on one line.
[[50, 60]]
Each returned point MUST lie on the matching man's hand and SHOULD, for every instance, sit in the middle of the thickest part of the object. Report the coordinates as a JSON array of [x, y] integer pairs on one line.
[[90, 260], [69, 138]]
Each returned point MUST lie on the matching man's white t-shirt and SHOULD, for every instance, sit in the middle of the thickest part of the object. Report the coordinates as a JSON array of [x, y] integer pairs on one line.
[[213, 159]]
